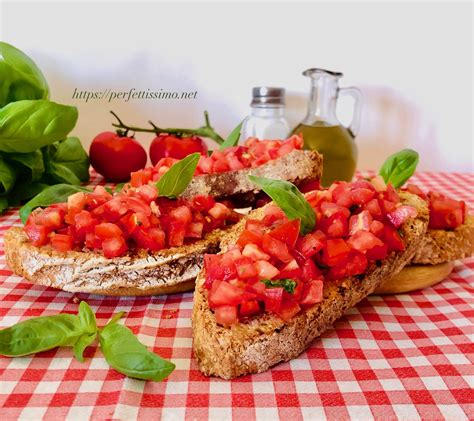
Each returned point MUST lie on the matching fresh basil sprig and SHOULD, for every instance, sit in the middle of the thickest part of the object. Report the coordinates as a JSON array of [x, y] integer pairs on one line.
[[21, 78], [174, 181], [288, 285], [46, 332], [233, 137], [291, 201], [50, 195], [399, 167], [121, 348], [128, 356]]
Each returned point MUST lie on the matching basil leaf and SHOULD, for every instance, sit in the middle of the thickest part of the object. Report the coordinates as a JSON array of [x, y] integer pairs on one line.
[[174, 181], [67, 161], [233, 138], [119, 187], [128, 356], [82, 343], [29, 125], [3, 204], [32, 161], [287, 284], [399, 167], [21, 78], [116, 317], [291, 201], [8, 176], [24, 191], [50, 195], [40, 334]]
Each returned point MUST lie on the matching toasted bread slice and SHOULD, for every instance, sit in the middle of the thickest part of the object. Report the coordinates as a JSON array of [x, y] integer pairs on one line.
[[444, 246], [266, 340], [297, 166], [168, 271]]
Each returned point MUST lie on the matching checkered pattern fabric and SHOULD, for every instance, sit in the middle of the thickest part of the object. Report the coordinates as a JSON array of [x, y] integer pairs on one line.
[[406, 356]]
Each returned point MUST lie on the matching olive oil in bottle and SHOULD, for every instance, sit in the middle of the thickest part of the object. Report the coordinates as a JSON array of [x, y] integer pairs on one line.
[[323, 132], [337, 146]]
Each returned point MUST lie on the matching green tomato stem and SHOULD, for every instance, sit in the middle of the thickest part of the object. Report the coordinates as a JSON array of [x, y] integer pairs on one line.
[[204, 131]]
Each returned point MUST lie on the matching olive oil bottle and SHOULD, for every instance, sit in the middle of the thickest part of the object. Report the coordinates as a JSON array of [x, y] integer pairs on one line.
[[322, 131]]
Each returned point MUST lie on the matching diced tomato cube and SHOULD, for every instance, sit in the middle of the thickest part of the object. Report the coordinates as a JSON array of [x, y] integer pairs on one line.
[[62, 242], [392, 239], [219, 211], [220, 166], [335, 252], [290, 270], [387, 206], [376, 228], [194, 230], [176, 233], [361, 196], [77, 201], [377, 252], [288, 309], [203, 203], [273, 298], [329, 209], [311, 243], [373, 207], [378, 183], [114, 247], [205, 164], [287, 232], [257, 227], [309, 271], [234, 163], [266, 270], [182, 214], [273, 213], [51, 218], [445, 213], [411, 188], [312, 293], [152, 239], [92, 241], [245, 268], [147, 192], [335, 226], [249, 308], [226, 315], [107, 230], [392, 194], [401, 214], [276, 248], [355, 264], [248, 237], [363, 241], [254, 252], [360, 222], [223, 293], [37, 234]]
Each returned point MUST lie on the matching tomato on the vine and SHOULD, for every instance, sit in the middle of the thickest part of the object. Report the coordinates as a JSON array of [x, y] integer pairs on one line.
[[115, 156], [171, 146]]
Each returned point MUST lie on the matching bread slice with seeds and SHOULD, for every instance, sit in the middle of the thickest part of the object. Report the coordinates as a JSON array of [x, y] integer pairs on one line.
[[255, 346]]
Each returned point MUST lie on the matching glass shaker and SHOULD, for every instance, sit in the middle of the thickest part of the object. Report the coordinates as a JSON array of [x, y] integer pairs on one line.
[[321, 129], [267, 118]]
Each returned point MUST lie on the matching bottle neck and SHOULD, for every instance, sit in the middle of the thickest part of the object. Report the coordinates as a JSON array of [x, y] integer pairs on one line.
[[322, 101], [268, 112]]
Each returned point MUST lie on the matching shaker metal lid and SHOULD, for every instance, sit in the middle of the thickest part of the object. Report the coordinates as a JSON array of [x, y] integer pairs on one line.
[[268, 95]]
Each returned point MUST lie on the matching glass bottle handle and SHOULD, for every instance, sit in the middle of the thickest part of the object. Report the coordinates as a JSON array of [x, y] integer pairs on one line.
[[356, 94]]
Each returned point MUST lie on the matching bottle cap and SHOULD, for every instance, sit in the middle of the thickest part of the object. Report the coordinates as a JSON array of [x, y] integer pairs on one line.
[[268, 96]]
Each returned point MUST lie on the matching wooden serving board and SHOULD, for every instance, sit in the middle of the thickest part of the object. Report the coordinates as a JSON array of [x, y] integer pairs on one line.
[[415, 277]]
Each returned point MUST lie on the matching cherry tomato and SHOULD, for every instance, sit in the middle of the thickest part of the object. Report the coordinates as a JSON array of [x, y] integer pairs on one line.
[[164, 146], [115, 157]]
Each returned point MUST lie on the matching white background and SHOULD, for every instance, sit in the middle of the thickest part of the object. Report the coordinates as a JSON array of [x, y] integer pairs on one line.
[[412, 61]]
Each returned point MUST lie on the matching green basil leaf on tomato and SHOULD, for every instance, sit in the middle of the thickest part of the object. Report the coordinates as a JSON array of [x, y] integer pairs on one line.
[[233, 137], [52, 194], [291, 201], [21, 78], [399, 167], [28, 125], [67, 161], [128, 356], [174, 181], [40, 334], [288, 285]]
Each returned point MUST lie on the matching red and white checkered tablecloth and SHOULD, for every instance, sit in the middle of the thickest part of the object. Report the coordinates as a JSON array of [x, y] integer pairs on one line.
[[406, 356]]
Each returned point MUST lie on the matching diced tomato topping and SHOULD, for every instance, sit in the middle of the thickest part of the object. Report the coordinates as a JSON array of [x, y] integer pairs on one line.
[[287, 232], [354, 264], [107, 230], [62, 242], [392, 239], [37, 234], [226, 315], [360, 222], [114, 247], [309, 271], [288, 309], [276, 248], [401, 214], [335, 252], [411, 188], [224, 293], [311, 243], [246, 268], [363, 241], [445, 213], [266, 270], [255, 252], [312, 293], [272, 298], [377, 252], [249, 308]]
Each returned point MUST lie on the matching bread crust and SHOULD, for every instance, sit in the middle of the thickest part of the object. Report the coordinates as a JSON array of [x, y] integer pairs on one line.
[[168, 271], [296, 166], [266, 340], [444, 246]]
